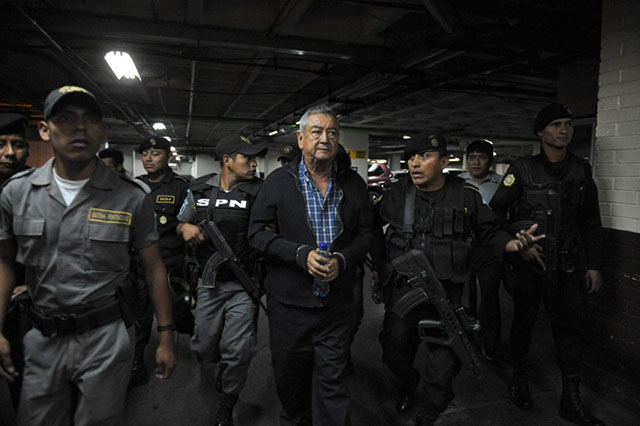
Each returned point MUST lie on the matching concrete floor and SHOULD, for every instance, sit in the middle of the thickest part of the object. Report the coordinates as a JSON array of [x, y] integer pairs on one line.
[[189, 397]]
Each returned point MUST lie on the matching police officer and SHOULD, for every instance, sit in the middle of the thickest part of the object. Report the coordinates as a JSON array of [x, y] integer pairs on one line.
[[14, 149], [71, 223], [487, 267], [226, 316], [436, 213], [168, 192], [113, 158], [572, 262], [288, 154], [14, 152]]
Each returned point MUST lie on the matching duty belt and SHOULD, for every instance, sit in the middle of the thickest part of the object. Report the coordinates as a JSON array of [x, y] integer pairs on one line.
[[75, 323]]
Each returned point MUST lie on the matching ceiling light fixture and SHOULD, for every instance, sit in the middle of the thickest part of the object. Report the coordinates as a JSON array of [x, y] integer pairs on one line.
[[273, 133], [159, 126], [406, 137], [122, 65], [167, 138]]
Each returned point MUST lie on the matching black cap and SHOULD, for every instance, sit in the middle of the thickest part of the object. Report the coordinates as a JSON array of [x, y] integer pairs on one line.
[[154, 142], [241, 145], [13, 124], [116, 154], [68, 93], [289, 152], [549, 113], [480, 145], [424, 143]]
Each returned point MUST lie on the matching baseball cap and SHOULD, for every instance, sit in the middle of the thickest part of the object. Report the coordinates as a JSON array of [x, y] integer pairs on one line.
[[12, 123], [241, 145], [154, 142], [67, 94], [289, 152], [116, 154], [480, 145], [553, 111], [424, 143]]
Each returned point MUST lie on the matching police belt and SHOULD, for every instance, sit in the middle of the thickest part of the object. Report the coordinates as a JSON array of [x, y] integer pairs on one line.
[[75, 323]]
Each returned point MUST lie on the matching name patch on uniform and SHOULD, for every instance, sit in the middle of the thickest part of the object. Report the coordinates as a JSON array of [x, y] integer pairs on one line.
[[165, 199], [109, 216]]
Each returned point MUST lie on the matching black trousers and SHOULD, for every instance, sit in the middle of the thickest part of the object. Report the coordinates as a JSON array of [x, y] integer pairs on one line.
[[566, 314], [488, 270], [400, 341], [309, 349]]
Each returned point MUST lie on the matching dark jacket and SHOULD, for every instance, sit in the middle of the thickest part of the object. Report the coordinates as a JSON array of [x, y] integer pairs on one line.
[[280, 228]]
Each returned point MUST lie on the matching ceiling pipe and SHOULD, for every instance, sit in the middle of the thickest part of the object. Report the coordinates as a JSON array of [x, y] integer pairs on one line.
[[191, 96]]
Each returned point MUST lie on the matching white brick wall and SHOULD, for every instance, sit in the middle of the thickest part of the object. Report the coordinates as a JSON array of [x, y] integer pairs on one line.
[[617, 162]]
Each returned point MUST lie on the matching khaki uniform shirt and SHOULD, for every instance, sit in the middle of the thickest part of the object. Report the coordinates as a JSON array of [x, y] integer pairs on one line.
[[76, 255]]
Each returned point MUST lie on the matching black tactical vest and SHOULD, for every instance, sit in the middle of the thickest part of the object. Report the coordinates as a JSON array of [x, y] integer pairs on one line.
[[568, 186], [230, 211], [444, 234]]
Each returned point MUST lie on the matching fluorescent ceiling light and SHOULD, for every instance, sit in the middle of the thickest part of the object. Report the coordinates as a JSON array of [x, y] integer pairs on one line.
[[173, 149], [122, 65], [167, 138], [454, 159], [275, 132], [406, 137], [159, 126]]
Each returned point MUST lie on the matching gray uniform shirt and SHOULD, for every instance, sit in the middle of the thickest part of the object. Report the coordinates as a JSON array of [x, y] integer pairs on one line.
[[488, 186], [75, 256]]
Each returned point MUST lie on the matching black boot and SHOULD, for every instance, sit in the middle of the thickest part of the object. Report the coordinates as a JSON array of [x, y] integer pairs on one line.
[[519, 389], [405, 400], [224, 416], [138, 375], [571, 407]]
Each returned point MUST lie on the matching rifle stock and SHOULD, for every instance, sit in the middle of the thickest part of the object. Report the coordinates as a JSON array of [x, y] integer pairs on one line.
[[450, 330]]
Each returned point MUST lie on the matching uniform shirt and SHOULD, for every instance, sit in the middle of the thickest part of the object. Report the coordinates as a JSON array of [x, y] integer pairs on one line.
[[588, 216], [487, 187], [322, 211], [167, 197], [75, 256]]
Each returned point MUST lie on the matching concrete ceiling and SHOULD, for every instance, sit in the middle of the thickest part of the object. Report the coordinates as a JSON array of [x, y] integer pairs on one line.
[[213, 69]]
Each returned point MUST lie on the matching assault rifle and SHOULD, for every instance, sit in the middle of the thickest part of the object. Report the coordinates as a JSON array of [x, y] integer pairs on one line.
[[225, 253], [452, 327]]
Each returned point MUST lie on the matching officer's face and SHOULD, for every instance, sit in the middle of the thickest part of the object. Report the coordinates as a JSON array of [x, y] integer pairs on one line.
[[558, 133], [478, 164], [243, 167], [426, 169], [14, 151], [75, 133], [319, 141], [155, 160]]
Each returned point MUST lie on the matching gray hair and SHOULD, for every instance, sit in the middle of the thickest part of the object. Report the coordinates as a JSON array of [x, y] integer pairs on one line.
[[317, 109]]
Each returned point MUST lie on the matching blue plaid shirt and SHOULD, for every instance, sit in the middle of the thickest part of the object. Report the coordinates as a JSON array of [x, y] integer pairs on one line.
[[322, 212]]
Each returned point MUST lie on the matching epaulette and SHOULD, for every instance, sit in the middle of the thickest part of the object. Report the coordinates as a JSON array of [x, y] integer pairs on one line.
[[201, 182], [25, 172], [471, 187], [133, 180]]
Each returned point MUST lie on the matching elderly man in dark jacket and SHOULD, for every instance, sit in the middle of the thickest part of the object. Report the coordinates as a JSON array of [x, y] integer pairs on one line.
[[303, 206]]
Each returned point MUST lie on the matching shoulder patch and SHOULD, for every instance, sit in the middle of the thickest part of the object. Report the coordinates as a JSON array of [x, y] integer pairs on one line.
[[135, 181], [509, 179]]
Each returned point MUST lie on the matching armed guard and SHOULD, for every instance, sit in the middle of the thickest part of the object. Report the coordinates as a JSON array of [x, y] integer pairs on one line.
[[72, 223], [168, 191], [555, 189], [437, 214], [226, 316]]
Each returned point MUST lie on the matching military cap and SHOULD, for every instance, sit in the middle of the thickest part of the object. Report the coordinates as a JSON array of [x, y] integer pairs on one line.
[[289, 152], [116, 154], [68, 93], [154, 142], [553, 111], [241, 145], [424, 143], [13, 124]]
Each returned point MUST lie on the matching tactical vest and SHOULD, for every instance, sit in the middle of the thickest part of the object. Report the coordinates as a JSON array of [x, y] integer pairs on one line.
[[568, 187], [233, 219], [444, 235]]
